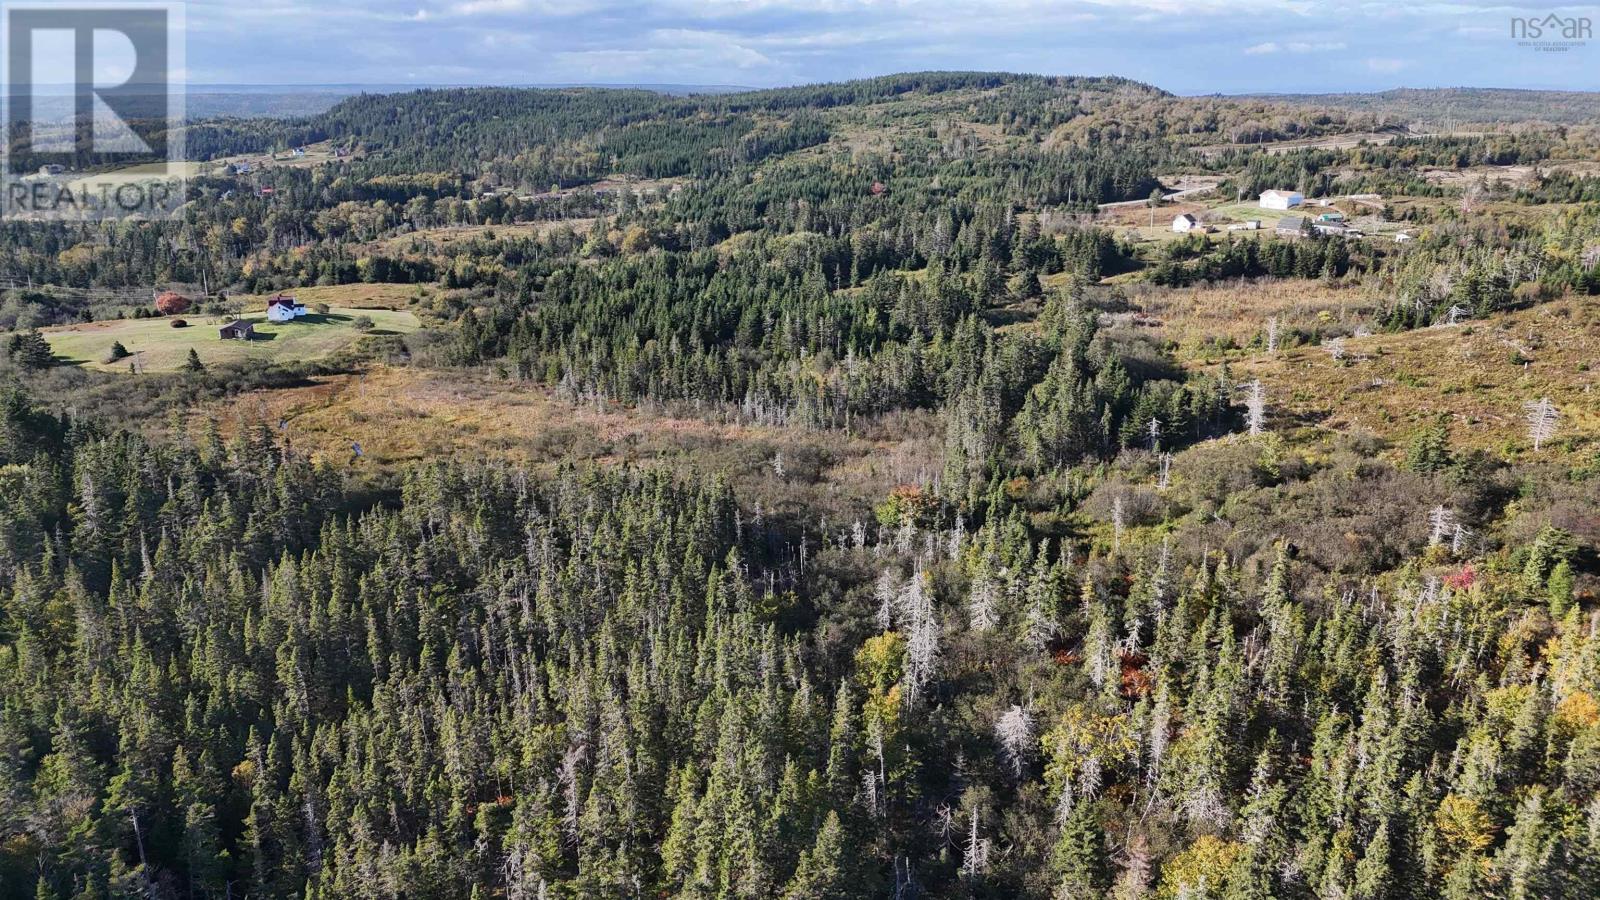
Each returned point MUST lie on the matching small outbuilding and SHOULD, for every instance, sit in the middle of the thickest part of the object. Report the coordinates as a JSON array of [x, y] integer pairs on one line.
[[1185, 223], [238, 331]]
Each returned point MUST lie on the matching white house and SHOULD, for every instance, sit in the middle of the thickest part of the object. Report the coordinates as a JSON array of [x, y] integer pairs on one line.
[[1282, 199], [1402, 238], [284, 308], [1185, 222]]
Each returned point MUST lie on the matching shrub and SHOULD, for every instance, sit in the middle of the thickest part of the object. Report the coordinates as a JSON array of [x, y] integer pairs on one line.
[[172, 303], [907, 504]]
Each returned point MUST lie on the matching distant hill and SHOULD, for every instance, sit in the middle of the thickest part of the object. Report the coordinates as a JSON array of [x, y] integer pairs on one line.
[[282, 101], [1456, 107], [567, 136]]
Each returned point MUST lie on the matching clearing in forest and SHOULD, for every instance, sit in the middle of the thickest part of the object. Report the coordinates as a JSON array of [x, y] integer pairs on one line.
[[155, 346]]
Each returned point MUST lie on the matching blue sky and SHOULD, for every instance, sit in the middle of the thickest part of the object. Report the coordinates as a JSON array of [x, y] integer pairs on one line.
[[1186, 46]]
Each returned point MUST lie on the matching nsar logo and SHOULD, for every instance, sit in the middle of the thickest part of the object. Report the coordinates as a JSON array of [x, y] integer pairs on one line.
[[1553, 33]]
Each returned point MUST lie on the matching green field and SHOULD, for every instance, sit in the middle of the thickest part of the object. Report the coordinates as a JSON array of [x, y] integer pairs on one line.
[[159, 347]]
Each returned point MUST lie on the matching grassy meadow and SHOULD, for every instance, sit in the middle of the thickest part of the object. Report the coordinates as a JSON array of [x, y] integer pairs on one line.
[[155, 346]]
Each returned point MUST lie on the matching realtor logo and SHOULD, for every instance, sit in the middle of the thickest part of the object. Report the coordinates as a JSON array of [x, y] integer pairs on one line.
[[1552, 33], [92, 94]]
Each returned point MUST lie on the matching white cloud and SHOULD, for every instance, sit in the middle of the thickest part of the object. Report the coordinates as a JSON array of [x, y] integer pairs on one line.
[[1295, 47], [489, 7], [1181, 45]]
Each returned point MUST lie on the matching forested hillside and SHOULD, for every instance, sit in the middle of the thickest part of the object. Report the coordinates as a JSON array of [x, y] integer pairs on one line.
[[863, 490]]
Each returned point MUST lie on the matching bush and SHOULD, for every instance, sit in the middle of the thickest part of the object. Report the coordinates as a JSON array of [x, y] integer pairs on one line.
[[362, 323], [172, 303], [907, 504], [179, 323]]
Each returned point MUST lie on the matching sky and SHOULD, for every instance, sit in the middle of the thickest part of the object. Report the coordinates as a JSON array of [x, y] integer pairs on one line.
[[1184, 46]]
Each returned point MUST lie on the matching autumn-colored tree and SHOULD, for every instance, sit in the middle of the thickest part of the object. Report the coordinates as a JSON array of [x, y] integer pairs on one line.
[[172, 303]]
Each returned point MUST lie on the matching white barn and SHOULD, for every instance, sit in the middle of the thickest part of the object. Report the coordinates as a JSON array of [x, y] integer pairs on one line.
[[1185, 222], [1282, 199]]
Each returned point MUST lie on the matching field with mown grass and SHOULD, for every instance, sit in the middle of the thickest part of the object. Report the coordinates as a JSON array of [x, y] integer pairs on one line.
[[155, 346]]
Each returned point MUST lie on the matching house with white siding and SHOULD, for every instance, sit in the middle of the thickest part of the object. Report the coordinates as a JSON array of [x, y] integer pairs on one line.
[[284, 308]]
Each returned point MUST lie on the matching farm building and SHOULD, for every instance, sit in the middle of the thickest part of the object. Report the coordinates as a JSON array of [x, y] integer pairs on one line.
[[1185, 222], [238, 331], [1291, 226], [1248, 225], [283, 308], [1281, 199]]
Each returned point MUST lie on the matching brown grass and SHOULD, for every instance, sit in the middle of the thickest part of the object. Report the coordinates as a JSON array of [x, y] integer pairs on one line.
[[1195, 319], [1469, 376], [354, 296], [403, 416]]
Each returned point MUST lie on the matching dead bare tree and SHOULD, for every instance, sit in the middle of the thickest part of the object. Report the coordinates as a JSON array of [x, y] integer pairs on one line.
[[1015, 732], [1256, 407], [1543, 419]]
